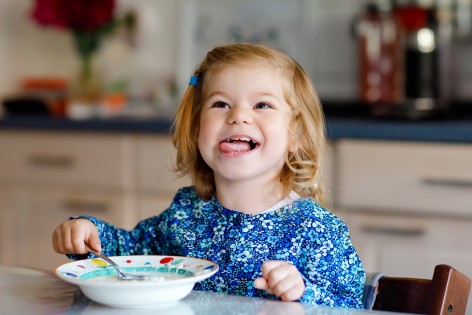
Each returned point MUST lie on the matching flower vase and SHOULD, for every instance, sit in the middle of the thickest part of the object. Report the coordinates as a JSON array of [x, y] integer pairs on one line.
[[86, 91]]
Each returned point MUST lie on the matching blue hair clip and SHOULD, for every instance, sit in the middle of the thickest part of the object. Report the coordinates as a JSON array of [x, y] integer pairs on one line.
[[193, 81]]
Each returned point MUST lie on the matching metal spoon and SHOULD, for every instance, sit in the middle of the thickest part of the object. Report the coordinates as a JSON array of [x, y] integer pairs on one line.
[[121, 274]]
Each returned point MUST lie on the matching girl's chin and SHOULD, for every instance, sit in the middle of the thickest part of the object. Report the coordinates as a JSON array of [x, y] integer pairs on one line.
[[233, 174]]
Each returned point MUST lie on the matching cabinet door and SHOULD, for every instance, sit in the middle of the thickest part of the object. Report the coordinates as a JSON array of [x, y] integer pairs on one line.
[[82, 160], [8, 226], [151, 205], [411, 246], [38, 213], [406, 177], [155, 161]]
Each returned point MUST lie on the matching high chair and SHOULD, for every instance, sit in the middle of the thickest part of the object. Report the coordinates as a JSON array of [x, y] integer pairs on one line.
[[447, 293]]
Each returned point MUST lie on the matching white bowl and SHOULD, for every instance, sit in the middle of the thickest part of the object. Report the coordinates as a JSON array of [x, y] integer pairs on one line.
[[99, 281]]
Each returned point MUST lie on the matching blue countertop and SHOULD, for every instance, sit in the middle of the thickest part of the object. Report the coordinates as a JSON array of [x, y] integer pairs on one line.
[[426, 131], [455, 131]]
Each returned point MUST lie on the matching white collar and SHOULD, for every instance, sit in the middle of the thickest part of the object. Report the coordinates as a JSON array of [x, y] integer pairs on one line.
[[282, 203]]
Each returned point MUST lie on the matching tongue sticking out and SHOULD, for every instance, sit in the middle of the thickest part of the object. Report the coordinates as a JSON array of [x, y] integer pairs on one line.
[[235, 147]]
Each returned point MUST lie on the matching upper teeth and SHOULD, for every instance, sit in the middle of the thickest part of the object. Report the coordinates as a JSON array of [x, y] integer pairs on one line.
[[240, 139], [252, 144]]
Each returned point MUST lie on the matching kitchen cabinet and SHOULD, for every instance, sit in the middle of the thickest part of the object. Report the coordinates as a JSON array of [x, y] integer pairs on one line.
[[73, 159], [404, 177], [46, 177], [407, 204], [156, 181], [410, 246], [39, 211], [7, 226]]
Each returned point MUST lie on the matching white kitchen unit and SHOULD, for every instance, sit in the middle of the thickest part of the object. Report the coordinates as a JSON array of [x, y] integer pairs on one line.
[[7, 226], [156, 182], [39, 211], [408, 205], [46, 177], [411, 246]]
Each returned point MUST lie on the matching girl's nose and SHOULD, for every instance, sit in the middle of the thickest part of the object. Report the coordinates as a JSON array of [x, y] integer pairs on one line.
[[239, 115]]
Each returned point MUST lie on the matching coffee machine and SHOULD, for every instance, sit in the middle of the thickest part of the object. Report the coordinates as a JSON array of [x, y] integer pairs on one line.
[[404, 59]]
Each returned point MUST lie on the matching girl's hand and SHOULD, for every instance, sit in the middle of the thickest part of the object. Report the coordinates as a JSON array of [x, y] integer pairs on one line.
[[281, 279], [71, 236]]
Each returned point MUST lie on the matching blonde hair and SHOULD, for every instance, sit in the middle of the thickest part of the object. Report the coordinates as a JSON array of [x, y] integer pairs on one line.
[[302, 170]]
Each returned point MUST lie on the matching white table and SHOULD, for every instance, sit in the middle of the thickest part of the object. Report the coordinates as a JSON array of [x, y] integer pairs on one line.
[[31, 291]]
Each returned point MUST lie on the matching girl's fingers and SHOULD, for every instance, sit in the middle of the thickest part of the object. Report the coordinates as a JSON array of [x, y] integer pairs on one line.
[[269, 266], [71, 236], [78, 240], [293, 289], [281, 279], [57, 242], [92, 238], [96, 245], [261, 284]]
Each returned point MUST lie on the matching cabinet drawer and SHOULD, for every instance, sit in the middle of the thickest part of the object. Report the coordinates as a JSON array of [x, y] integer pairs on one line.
[[63, 159], [155, 161], [37, 213], [411, 246], [405, 176]]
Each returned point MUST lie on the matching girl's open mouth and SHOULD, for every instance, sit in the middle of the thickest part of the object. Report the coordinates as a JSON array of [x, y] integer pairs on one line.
[[237, 145]]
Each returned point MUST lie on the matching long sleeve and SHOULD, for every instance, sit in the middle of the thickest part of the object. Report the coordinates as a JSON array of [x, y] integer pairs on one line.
[[142, 240], [331, 268]]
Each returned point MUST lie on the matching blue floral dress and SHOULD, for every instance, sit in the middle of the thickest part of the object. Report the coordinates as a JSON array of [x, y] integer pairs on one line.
[[301, 233]]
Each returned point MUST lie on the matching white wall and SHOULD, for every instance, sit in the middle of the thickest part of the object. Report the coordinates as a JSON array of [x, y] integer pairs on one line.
[[27, 49], [164, 49], [169, 42]]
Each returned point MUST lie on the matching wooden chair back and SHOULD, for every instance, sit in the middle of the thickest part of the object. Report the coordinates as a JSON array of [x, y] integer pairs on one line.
[[447, 293]]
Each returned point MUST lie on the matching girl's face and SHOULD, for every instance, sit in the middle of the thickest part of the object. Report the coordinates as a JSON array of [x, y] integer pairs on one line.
[[244, 124]]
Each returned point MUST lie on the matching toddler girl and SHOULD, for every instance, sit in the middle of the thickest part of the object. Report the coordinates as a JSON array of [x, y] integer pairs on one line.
[[250, 133]]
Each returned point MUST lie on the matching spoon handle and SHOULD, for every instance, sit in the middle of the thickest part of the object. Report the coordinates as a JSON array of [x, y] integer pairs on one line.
[[108, 260]]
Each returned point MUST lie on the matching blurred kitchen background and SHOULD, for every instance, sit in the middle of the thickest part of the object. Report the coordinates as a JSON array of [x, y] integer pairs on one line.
[[351, 50], [394, 77]]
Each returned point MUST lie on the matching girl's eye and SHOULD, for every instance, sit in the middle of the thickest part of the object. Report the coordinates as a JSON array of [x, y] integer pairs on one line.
[[220, 105], [262, 105]]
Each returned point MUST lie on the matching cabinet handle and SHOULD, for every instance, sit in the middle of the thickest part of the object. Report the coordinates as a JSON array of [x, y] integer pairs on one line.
[[59, 161], [394, 231], [84, 205], [445, 181]]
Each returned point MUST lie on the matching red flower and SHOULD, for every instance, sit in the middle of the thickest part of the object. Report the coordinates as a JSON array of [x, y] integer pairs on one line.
[[77, 15]]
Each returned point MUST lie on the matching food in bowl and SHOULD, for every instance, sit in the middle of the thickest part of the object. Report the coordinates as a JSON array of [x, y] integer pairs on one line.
[[173, 279]]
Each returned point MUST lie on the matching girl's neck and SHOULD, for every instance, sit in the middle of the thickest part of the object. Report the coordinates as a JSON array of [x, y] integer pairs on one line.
[[249, 198]]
